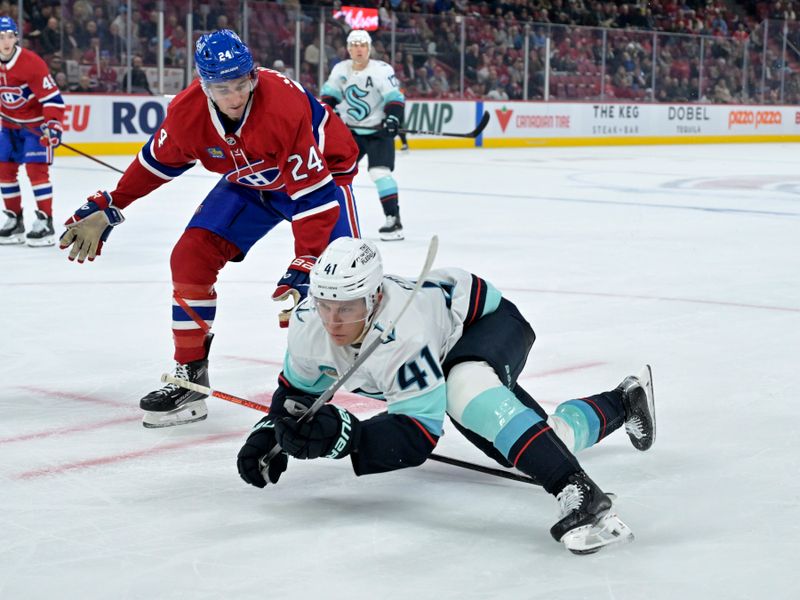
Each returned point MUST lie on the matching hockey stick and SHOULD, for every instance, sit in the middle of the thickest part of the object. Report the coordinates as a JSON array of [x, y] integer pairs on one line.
[[67, 146], [201, 389], [472, 134]]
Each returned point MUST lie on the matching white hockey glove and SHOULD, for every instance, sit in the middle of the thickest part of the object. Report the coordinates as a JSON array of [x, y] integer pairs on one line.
[[90, 226]]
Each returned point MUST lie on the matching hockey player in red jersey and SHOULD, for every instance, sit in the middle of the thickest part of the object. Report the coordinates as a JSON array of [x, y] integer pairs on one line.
[[32, 112], [283, 156]]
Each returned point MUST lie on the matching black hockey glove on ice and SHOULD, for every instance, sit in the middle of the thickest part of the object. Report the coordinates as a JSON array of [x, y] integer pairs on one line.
[[332, 433], [258, 445]]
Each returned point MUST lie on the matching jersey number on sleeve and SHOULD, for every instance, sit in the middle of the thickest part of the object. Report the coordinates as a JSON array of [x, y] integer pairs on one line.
[[411, 373], [314, 162]]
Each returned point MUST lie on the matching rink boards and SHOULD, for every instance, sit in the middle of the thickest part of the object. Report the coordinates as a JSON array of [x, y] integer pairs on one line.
[[113, 124]]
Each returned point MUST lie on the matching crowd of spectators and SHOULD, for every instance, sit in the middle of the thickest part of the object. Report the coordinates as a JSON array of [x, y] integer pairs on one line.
[[86, 44]]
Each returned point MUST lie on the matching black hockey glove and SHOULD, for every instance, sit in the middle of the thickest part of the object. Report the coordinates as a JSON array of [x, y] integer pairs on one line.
[[258, 445], [391, 125], [331, 433]]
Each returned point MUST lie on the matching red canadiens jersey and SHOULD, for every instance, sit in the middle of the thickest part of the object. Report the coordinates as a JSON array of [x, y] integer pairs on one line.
[[28, 92], [286, 141]]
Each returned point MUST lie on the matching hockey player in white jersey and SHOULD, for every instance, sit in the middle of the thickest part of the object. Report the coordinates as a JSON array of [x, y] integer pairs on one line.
[[366, 93], [458, 350]]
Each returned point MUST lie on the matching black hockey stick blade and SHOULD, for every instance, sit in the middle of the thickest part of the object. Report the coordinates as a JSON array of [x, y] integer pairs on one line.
[[472, 134], [481, 469]]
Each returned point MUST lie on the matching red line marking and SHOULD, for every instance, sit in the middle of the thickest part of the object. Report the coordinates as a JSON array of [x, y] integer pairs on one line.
[[126, 456], [73, 396], [256, 361], [66, 430]]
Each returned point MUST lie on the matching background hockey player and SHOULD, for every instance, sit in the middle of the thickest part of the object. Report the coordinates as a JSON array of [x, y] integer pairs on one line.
[[457, 350], [284, 156], [30, 129], [366, 93]]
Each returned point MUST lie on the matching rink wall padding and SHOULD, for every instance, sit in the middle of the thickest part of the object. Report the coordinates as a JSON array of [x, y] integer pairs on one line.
[[111, 124]]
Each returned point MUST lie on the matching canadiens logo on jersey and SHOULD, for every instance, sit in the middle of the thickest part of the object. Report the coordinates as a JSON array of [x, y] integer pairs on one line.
[[11, 97], [256, 175]]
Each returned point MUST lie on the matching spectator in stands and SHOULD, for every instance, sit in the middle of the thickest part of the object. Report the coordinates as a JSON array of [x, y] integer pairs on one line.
[[50, 39], [280, 67], [85, 34], [61, 81], [70, 46], [139, 83], [104, 78], [82, 11], [84, 86], [56, 64]]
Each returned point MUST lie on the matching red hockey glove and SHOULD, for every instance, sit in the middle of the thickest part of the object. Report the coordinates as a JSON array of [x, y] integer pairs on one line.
[[51, 134], [294, 284]]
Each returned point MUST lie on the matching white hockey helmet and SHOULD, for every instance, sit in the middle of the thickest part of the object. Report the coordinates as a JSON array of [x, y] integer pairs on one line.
[[348, 269], [359, 36]]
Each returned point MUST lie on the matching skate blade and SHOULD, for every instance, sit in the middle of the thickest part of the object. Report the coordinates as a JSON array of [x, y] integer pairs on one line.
[[191, 412], [12, 240], [591, 538], [392, 237], [41, 243]]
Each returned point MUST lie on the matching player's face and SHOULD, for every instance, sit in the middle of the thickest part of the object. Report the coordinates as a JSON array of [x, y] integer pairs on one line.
[[343, 320], [7, 42], [231, 96], [359, 53]]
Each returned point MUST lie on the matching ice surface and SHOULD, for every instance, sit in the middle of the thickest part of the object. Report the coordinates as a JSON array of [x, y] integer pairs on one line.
[[686, 257]]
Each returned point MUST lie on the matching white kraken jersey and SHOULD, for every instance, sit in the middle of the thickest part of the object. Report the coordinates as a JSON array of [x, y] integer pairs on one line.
[[363, 94], [406, 370]]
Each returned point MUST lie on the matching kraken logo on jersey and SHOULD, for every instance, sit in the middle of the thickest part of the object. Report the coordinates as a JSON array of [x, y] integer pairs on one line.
[[11, 97], [257, 176], [358, 109]]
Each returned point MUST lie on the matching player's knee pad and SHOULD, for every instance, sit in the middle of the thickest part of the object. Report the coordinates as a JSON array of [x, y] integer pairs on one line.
[[378, 173], [196, 260], [8, 172], [478, 400], [38, 173]]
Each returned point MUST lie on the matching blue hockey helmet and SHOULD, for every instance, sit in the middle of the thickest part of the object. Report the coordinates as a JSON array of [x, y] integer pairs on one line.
[[8, 24], [221, 56]]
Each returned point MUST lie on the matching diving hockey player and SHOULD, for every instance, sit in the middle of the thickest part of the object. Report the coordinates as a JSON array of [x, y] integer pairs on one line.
[[458, 350]]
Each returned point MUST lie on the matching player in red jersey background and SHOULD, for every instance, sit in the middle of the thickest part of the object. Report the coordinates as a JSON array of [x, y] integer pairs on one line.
[[283, 156], [32, 113]]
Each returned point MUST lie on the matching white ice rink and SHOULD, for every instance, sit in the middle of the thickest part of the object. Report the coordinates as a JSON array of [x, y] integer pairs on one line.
[[686, 257]]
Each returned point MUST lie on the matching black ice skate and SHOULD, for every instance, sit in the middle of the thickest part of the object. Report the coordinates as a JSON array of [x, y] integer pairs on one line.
[[13, 230], [640, 409], [392, 229], [173, 405], [587, 523], [42, 232]]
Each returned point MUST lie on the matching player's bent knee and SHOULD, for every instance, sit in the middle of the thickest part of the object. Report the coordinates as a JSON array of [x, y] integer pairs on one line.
[[38, 172], [377, 173], [465, 382]]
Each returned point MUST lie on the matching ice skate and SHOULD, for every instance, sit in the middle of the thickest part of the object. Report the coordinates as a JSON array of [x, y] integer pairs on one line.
[[640, 409], [392, 229], [42, 232], [13, 230], [173, 405], [587, 521]]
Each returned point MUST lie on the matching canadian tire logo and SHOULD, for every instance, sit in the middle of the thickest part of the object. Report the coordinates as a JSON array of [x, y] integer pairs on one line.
[[504, 116]]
